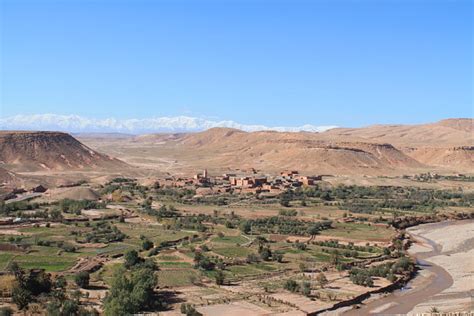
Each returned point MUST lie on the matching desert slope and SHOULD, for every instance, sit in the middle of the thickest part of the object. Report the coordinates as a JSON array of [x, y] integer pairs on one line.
[[448, 143], [455, 158], [307, 152], [446, 133], [442, 147], [8, 177], [30, 151]]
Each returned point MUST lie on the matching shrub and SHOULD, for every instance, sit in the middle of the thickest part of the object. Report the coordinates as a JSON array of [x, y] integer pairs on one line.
[[220, 278], [291, 285], [130, 294], [361, 277], [132, 258], [21, 297], [147, 244], [189, 310], [306, 289], [82, 279]]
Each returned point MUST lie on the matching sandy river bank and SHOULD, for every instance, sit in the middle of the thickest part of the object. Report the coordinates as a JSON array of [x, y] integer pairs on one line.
[[455, 255], [445, 253]]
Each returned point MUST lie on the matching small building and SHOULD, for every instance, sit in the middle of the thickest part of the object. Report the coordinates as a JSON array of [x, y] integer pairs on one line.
[[289, 173], [309, 180]]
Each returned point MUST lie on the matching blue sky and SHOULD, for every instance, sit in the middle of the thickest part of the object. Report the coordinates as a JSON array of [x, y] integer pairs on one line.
[[277, 63]]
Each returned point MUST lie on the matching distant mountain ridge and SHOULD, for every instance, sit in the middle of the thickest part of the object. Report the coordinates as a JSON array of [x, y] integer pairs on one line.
[[373, 150], [80, 124], [31, 151]]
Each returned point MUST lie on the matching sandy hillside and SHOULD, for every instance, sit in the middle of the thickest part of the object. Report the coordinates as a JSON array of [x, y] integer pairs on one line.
[[307, 152], [446, 133], [443, 147], [74, 193], [8, 177], [447, 143], [30, 151]]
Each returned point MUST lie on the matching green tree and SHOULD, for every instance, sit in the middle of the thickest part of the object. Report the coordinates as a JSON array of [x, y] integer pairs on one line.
[[82, 279], [147, 244], [220, 277], [21, 297], [70, 307], [265, 253], [246, 227], [285, 199], [132, 258], [60, 282], [130, 294]]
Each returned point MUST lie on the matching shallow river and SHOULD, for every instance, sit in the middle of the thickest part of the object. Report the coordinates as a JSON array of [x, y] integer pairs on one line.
[[404, 300]]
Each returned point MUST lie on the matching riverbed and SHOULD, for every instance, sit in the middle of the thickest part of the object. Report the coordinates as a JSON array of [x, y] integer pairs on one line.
[[445, 253]]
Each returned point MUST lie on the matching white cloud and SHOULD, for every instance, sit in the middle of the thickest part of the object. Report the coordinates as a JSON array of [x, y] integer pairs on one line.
[[75, 123]]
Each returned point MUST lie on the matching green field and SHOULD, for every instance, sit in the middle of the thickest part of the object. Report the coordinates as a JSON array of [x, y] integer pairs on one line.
[[180, 277], [174, 264], [360, 231], [230, 240], [234, 252], [5, 258]]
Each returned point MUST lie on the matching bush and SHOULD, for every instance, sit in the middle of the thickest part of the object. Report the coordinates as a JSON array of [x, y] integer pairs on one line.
[[306, 289], [131, 294], [278, 257], [21, 297], [361, 277], [291, 285], [220, 277], [147, 244], [189, 310], [265, 253], [203, 262], [132, 259], [82, 279]]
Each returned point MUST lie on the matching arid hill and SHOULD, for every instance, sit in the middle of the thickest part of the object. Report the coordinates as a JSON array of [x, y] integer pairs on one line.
[[447, 143], [31, 151], [444, 134], [445, 146], [8, 177], [307, 152], [158, 138]]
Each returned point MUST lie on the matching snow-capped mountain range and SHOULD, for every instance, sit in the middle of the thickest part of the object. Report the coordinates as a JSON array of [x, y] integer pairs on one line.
[[77, 124]]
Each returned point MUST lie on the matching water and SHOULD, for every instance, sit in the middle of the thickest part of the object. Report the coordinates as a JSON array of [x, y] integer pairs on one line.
[[404, 300]]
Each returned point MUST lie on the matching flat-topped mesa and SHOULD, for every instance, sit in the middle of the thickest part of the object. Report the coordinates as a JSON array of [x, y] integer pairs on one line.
[[38, 150]]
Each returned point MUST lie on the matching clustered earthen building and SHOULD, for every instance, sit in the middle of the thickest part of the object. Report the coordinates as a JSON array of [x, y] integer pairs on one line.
[[243, 182]]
